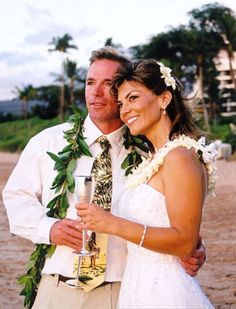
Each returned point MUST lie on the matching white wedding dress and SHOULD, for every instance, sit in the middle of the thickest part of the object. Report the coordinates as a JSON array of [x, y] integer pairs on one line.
[[153, 280]]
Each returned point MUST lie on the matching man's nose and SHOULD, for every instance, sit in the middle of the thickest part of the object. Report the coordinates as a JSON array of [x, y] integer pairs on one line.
[[98, 90]]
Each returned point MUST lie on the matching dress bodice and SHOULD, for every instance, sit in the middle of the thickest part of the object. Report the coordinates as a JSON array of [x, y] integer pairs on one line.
[[144, 205]]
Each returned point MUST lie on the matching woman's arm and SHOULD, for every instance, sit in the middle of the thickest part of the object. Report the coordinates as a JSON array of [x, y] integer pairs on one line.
[[183, 186]]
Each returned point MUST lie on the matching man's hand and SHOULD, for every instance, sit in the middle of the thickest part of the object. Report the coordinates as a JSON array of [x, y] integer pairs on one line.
[[195, 262], [66, 233]]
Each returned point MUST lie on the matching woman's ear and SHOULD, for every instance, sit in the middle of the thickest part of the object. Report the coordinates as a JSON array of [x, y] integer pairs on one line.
[[166, 99]]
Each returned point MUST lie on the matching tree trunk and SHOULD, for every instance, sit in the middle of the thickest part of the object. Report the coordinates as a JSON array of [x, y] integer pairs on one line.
[[62, 95], [61, 114], [24, 105], [205, 111], [72, 96]]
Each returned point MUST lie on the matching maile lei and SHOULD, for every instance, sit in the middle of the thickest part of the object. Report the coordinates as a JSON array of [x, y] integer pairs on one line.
[[65, 163]]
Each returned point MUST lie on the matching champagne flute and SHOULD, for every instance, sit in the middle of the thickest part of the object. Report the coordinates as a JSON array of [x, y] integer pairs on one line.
[[84, 187]]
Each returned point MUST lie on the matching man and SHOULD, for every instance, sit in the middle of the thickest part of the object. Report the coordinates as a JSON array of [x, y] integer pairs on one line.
[[28, 192]]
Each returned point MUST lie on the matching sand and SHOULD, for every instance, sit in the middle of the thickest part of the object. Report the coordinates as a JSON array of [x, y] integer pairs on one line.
[[217, 277]]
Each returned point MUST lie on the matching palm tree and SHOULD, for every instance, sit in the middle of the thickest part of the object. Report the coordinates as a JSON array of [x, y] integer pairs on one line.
[[109, 42], [62, 44], [70, 68], [25, 94]]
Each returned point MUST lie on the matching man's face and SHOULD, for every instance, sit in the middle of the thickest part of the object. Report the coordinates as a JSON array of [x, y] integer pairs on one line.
[[101, 106]]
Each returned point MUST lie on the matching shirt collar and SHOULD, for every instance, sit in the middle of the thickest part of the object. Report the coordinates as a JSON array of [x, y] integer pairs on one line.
[[91, 133]]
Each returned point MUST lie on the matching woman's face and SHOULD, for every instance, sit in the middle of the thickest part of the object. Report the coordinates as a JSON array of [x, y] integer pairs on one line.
[[140, 108]]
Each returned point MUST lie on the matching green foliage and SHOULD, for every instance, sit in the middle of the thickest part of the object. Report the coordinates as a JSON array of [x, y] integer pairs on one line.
[[134, 157], [49, 94], [14, 135], [220, 129], [32, 277], [223, 132]]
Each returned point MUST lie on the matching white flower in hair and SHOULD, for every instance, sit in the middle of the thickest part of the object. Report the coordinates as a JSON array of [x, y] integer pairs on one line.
[[166, 74]]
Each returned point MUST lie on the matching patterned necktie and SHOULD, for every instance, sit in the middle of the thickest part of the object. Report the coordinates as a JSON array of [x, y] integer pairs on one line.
[[93, 268], [102, 173]]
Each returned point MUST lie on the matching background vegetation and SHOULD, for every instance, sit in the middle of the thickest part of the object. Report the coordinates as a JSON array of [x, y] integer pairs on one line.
[[191, 50]]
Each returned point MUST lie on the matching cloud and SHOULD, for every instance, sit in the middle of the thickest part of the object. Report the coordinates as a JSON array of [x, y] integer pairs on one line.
[[50, 30], [17, 58], [40, 13]]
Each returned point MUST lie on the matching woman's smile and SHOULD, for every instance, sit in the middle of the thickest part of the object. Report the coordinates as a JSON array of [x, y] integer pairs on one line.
[[130, 120]]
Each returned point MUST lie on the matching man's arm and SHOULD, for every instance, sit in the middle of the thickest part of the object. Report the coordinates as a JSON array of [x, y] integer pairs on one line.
[[23, 192]]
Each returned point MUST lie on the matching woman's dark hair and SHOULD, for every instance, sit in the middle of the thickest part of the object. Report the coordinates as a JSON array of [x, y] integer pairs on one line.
[[148, 73]]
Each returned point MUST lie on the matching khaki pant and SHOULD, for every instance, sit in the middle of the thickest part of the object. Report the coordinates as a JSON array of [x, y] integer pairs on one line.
[[54, 294]]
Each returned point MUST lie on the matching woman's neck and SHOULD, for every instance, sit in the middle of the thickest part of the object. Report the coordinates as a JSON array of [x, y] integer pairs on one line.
[[159, 135]]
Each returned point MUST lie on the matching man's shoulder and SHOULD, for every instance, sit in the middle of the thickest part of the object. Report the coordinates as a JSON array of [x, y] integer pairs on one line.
[[50, 138], [55, 131]]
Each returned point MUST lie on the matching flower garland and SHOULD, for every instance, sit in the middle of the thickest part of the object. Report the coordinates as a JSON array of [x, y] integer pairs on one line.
[[151, 165], [65, 163]]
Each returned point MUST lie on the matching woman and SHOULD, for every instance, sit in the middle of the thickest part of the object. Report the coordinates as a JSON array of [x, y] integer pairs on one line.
[[160, 213]]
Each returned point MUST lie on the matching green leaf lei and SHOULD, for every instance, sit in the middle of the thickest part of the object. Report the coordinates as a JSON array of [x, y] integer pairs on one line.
[[65, 163]]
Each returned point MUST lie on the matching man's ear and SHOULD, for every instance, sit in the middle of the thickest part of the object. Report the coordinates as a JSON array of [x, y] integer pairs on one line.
[[166, 99]]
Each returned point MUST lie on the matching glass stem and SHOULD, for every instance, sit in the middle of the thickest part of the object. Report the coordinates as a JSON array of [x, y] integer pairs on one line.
[[84, 235], [78, 272]]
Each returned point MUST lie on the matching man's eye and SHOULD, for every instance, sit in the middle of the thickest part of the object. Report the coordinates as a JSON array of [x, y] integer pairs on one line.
[[89, 82], [109, 83]]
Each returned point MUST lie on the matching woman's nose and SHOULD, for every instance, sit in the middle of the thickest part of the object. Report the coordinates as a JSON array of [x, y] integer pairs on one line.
[[125, 108]]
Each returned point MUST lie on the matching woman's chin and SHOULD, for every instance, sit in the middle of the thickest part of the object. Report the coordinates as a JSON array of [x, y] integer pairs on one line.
[[134, 131]]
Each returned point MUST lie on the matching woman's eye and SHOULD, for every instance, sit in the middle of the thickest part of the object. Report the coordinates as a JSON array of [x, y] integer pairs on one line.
[[133, 97], [119, 104]]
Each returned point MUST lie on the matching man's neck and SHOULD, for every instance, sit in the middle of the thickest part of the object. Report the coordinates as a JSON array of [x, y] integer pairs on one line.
[[109, 126]]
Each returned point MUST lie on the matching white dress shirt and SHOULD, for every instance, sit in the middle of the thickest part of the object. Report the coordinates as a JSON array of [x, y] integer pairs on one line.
[[28, 192]]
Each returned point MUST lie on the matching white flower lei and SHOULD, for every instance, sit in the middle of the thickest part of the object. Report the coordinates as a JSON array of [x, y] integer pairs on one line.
[[151, 164]]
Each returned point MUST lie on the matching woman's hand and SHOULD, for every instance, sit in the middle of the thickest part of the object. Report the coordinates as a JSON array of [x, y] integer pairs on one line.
[[94, 218]]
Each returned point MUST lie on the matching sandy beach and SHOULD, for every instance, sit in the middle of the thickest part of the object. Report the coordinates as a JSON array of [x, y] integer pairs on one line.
[[217, 276]]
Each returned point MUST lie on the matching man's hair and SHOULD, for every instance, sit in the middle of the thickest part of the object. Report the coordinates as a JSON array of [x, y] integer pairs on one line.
[[109, 53]]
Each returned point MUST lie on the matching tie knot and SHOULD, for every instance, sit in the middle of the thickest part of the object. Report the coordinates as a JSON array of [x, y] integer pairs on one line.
[[104, 142]]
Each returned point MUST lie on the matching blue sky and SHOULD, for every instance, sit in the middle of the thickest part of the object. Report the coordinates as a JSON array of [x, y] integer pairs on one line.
[[28, 26]]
